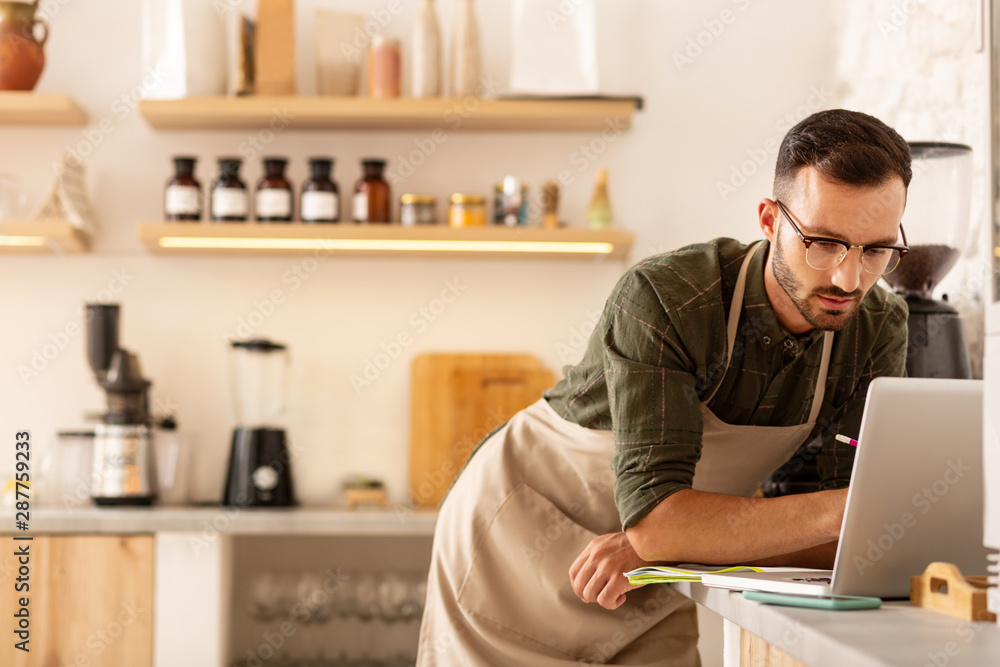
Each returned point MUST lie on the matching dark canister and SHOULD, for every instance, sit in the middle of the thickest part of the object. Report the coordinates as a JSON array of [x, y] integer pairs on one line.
[[182, 198], [229, 194], [273, 201], [320, 195]]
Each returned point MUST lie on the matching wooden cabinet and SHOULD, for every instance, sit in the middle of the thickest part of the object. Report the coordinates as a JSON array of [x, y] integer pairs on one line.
[[90, 601]]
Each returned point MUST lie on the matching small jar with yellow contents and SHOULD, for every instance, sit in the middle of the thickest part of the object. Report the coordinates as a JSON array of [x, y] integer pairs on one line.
[[467, 210]]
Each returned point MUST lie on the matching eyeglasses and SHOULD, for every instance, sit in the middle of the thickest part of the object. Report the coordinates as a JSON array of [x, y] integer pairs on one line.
[[824, 253]]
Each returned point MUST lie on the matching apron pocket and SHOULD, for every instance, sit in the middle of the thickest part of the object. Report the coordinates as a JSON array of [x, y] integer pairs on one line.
[[519, 580]]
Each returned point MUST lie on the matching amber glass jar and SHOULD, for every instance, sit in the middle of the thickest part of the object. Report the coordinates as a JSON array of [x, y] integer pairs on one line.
[[467, 210], [273, 200], [182, 198], [320, 195], [372, 194], [229, 194]]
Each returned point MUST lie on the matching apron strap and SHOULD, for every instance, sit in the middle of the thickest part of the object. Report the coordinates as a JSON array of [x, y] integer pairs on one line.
[[732, 328], [733, 323], [824, 367]]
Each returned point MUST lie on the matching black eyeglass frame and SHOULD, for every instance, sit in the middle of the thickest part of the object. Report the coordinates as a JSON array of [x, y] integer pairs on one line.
[[809, 240]]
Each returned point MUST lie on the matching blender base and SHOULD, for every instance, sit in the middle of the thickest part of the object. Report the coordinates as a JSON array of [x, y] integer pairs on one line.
[[259, 470]]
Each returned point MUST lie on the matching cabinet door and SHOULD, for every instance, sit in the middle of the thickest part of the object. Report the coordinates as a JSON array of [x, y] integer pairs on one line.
[[90, 601]]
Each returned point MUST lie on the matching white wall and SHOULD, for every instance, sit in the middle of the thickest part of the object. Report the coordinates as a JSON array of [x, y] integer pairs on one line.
[[770, 65]]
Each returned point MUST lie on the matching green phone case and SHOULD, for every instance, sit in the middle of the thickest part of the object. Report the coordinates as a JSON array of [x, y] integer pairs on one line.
[[834, 602]]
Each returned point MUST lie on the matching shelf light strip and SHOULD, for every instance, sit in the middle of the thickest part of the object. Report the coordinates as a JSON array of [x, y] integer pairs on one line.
[[24, 241], [583, 247]]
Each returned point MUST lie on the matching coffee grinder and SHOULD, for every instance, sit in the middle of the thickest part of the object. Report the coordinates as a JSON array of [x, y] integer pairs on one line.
[[937, 218], [259, 466], [123, 462]]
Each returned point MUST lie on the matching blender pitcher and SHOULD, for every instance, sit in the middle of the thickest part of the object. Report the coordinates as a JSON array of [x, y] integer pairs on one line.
[[259, 467]]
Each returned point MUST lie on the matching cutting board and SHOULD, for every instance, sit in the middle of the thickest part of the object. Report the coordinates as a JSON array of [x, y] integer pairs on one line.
[[457, 400]]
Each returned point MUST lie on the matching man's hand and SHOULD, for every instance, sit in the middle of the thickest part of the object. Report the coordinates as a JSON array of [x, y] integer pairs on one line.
[[597, 572]]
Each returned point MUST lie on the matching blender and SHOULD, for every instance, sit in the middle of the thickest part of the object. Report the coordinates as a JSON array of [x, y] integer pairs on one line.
[[937, 218], [259, 466], [123, 457]]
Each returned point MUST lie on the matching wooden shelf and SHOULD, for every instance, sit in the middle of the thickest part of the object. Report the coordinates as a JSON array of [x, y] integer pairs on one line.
[[28, 108], [352, 239], [42, 236], [360, 113]]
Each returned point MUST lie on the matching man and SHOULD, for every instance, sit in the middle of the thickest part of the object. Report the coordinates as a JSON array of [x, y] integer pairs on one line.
[[710, 367]]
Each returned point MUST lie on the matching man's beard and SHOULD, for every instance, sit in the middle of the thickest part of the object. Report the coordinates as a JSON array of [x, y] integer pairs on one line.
[[814, 313]]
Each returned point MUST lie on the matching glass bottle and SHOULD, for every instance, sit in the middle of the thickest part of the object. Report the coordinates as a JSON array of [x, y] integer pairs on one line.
[[384, 68], [599, 213], [371, 194], [425, 61], [465, 52], [229, 193], [273, 201], [182, 198], [320, 195]]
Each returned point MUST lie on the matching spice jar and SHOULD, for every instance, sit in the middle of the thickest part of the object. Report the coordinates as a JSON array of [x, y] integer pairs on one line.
[[229, 193], [371, 194], [384, 68], [182, 198], [273, 201], [467, 210], [417, 210], [320, 195]]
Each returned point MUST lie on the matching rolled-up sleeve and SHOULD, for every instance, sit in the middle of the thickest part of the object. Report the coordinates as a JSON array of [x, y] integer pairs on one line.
[[653, 400]]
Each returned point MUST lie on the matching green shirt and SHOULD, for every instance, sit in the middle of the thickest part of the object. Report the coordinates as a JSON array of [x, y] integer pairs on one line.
[[659, 350]]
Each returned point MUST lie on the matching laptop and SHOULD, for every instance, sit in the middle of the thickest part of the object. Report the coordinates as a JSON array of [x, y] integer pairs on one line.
[[916, 495]]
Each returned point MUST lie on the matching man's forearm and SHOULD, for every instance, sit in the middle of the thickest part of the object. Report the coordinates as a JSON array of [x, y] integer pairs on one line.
[[694, 526]]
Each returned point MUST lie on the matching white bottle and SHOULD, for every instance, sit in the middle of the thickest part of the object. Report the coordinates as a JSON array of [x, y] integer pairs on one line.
[[425, 75], [465, 52]]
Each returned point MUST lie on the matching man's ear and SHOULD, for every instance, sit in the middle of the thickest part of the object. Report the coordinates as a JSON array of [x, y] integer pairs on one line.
[[768, 215]]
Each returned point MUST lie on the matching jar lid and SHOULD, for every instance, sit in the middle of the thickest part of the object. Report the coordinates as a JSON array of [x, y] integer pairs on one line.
[[379, 40], [466, 198], [499, 186], [411, 198]]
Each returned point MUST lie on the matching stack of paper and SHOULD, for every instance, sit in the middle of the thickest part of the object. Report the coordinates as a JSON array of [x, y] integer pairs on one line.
[[661, 574]]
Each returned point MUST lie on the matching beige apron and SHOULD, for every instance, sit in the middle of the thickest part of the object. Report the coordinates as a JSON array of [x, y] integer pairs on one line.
[[529, 501]]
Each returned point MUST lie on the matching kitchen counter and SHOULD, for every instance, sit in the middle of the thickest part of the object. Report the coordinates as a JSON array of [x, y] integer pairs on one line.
[[393, 521], [898, 634]]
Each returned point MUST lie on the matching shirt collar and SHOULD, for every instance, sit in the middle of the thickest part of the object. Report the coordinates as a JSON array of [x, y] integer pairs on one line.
[[761, 320]]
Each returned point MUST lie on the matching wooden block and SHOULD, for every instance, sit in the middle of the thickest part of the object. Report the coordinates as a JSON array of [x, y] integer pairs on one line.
[[362, 496], [942, 588], [275, 60]]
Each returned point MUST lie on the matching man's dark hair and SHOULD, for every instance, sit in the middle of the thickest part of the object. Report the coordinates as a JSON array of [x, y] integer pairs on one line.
[[846, 146]]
